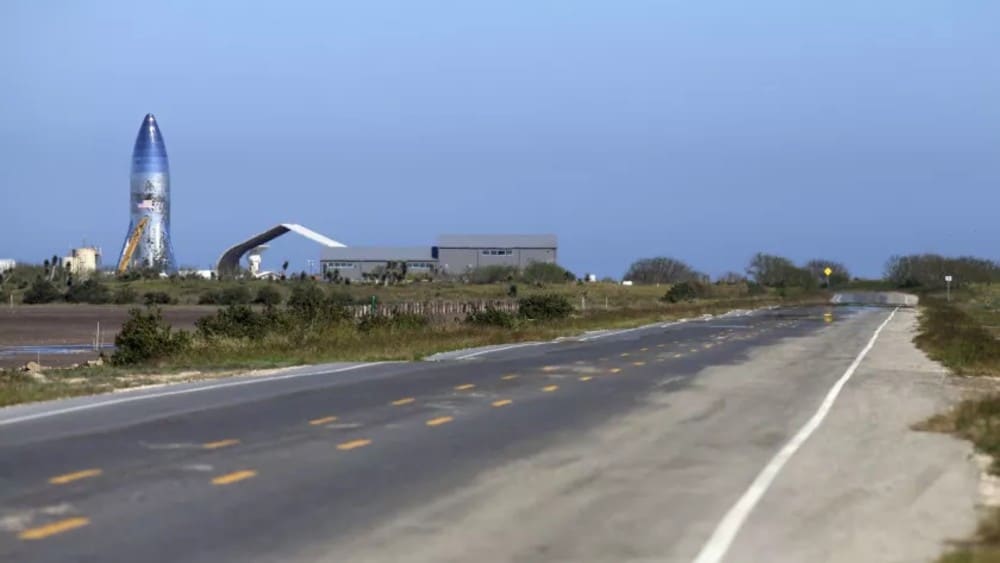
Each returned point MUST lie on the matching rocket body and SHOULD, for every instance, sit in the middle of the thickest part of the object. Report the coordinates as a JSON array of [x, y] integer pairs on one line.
[[149, 196]]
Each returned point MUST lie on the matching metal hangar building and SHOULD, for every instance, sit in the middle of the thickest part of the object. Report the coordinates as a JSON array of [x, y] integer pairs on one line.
[[452, 255]]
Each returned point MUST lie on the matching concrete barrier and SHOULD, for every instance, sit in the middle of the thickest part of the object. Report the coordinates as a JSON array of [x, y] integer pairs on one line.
[[880, 298]]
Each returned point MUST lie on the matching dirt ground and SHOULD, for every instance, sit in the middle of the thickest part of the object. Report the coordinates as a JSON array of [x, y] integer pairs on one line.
[[67, 325]]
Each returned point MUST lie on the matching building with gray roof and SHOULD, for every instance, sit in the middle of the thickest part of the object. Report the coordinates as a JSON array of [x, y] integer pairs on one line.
[[452, 255]]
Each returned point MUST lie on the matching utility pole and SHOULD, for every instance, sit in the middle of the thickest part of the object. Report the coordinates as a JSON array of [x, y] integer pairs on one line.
[[947, 281]]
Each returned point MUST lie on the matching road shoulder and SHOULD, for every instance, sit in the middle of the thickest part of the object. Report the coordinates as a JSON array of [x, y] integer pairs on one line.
[[866, 487]]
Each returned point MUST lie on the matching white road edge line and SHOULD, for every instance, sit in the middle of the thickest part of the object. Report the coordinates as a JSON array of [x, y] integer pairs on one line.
[[722, 538], [120, 400], [500, 349], [627, 330]]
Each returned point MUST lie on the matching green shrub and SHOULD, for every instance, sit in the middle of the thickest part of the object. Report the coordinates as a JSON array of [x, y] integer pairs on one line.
[[268, 296], [402, 321], [491, 317], [240, 321], [545, 272], [41, 291], [686, 291], [210, 297], [125, 296], [90, 291], [146, 337], [544, 307], [309, 304], [236, 295], [151, 298], [492, 274]]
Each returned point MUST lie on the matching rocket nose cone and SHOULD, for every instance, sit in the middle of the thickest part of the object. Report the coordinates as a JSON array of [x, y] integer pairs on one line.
[[149, 141]]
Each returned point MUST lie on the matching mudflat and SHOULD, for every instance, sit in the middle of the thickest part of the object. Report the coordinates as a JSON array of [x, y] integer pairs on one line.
[[67, 324]]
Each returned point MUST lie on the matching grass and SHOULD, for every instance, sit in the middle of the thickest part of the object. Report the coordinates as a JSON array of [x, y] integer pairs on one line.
[[346, 343], [18, 387], [961, 334], [976, 420], [952, 335]]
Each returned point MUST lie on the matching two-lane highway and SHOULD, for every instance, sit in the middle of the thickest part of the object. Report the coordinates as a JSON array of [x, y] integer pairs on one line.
[[664, 426]]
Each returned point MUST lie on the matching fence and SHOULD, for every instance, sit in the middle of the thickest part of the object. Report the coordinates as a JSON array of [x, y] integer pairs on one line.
[[439, 311]]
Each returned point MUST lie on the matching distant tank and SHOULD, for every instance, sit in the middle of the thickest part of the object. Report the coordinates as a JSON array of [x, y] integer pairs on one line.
[[147, 243]]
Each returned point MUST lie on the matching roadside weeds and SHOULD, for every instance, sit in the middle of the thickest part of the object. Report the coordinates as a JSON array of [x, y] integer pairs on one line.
[[957, 335]]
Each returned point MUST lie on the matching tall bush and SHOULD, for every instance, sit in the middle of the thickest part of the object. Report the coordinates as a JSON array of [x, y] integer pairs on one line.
[[546, 272], [309, 304], [549, 306], [491, 317], [240, 321], [41, 291], [686, 291], [146, 337], [90, 291], [661, 270]]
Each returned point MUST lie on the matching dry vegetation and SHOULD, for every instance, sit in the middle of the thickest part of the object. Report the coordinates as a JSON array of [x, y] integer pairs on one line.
[[962, 334], [607, 306]]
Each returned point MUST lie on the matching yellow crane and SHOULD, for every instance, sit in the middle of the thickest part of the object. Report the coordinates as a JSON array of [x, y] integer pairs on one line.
[[131, 244]]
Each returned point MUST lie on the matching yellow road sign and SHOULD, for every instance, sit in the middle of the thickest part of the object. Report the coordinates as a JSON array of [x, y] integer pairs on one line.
[[828, 271]]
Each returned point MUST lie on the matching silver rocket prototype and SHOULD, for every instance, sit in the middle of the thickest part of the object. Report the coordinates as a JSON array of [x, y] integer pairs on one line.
[[147, 244]]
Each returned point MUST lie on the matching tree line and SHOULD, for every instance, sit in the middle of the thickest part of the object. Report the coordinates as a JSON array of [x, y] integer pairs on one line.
[[926, 271]]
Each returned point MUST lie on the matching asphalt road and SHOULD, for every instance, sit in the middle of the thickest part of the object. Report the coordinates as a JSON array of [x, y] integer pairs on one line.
[[617, 446]]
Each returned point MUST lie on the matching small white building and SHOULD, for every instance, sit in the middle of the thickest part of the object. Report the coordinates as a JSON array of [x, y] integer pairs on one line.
[[7, 264], [83, 261]]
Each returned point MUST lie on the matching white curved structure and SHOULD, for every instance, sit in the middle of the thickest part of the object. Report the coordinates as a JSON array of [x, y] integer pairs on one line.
[[229, 262]]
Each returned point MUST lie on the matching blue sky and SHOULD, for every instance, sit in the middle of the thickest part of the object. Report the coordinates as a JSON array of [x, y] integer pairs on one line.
[[706, 131]]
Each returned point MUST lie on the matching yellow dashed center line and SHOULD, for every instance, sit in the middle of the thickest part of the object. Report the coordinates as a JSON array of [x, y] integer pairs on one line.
[[502, 403], [509, 377], [549, 368], [638, 364], [234, 477], [707, 346], [644, 349], [219, 444], [464, 387], [693, 350], [353, 444], [586, 378], [42, 532], [439, 421], [324, 420], [661, 345], [624, 354], [678, 355], [615, 370], [76, 475], [550, 388], [401, 402]]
